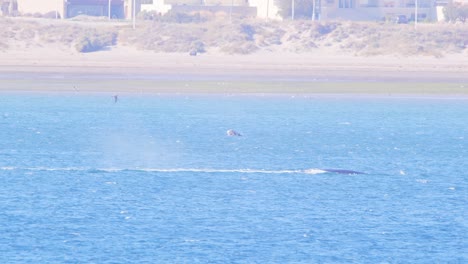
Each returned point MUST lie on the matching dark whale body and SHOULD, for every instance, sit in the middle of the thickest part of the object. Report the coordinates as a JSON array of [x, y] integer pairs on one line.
[[340, 171]]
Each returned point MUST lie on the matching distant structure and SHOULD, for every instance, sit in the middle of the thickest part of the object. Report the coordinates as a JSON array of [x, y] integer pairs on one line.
[[375, 10], [8, 7], [218, 8], [358, 10], [266, 9], [116, 9]]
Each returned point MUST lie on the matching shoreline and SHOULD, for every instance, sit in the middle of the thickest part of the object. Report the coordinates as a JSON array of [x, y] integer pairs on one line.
[[120, 69], [317, 88]]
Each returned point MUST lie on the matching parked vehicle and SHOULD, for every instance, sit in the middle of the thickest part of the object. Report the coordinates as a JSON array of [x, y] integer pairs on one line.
[[401, 19]]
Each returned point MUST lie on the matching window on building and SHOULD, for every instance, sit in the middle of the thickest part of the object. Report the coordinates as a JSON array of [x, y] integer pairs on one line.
[[421, 3], [346, 4], [369, 3]]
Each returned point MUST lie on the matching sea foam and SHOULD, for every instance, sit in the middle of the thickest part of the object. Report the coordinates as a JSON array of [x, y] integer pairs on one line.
[[167, 170]]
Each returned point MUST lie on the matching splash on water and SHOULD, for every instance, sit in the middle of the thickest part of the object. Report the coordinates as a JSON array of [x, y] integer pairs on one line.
[[172, 170]]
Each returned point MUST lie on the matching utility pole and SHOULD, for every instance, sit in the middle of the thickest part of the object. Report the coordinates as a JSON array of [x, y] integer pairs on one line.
[[415, 13], [292, 9], [230, 11], [109, 10], [56, 10], [313, 9], [134, 13], [268, 6]]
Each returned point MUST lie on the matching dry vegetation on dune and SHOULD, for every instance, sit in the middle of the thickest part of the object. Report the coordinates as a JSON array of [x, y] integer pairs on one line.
[[239, 36], [27, 33], [245, 37]]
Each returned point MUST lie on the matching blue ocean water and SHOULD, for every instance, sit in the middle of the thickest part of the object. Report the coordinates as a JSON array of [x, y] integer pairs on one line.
[[155, 179]]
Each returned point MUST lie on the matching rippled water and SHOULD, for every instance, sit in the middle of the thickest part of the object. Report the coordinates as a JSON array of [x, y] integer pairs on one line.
[[155, 179]]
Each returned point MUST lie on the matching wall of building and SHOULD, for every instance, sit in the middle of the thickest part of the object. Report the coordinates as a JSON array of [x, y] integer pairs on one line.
[[76, 7], [374, 10], [226, 2], [42, 6], [331, 9], [95, 8], [8, 7], [158, 6], [238, 7], [183, 2], [128, 9], [266, 9], [243, 11], [209, 2]]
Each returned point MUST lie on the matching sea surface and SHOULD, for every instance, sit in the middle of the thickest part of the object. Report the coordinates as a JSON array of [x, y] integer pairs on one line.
[[155, 179]]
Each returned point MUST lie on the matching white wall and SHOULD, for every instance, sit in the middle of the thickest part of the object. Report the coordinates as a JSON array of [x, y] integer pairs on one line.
[[40, 6], [157, 6], [266, 9], [440, 13]]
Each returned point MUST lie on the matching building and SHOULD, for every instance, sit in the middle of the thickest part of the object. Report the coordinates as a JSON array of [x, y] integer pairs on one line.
[[117, 9], [364, 10], [8, 7], [158, 6], [359, 10], [32, 7], [266, 9], [114, 8], [377, 9], [441, 4], [226, 7]]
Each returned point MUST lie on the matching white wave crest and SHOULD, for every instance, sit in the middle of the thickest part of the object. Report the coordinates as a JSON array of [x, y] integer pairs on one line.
[[314, 171], [169, 170], [8, 168]]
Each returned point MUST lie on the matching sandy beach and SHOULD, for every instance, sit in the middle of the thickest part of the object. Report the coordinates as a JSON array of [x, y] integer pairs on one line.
[[120, 66]]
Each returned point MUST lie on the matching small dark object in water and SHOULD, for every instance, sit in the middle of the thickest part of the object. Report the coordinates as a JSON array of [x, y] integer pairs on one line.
[[193, 53]]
